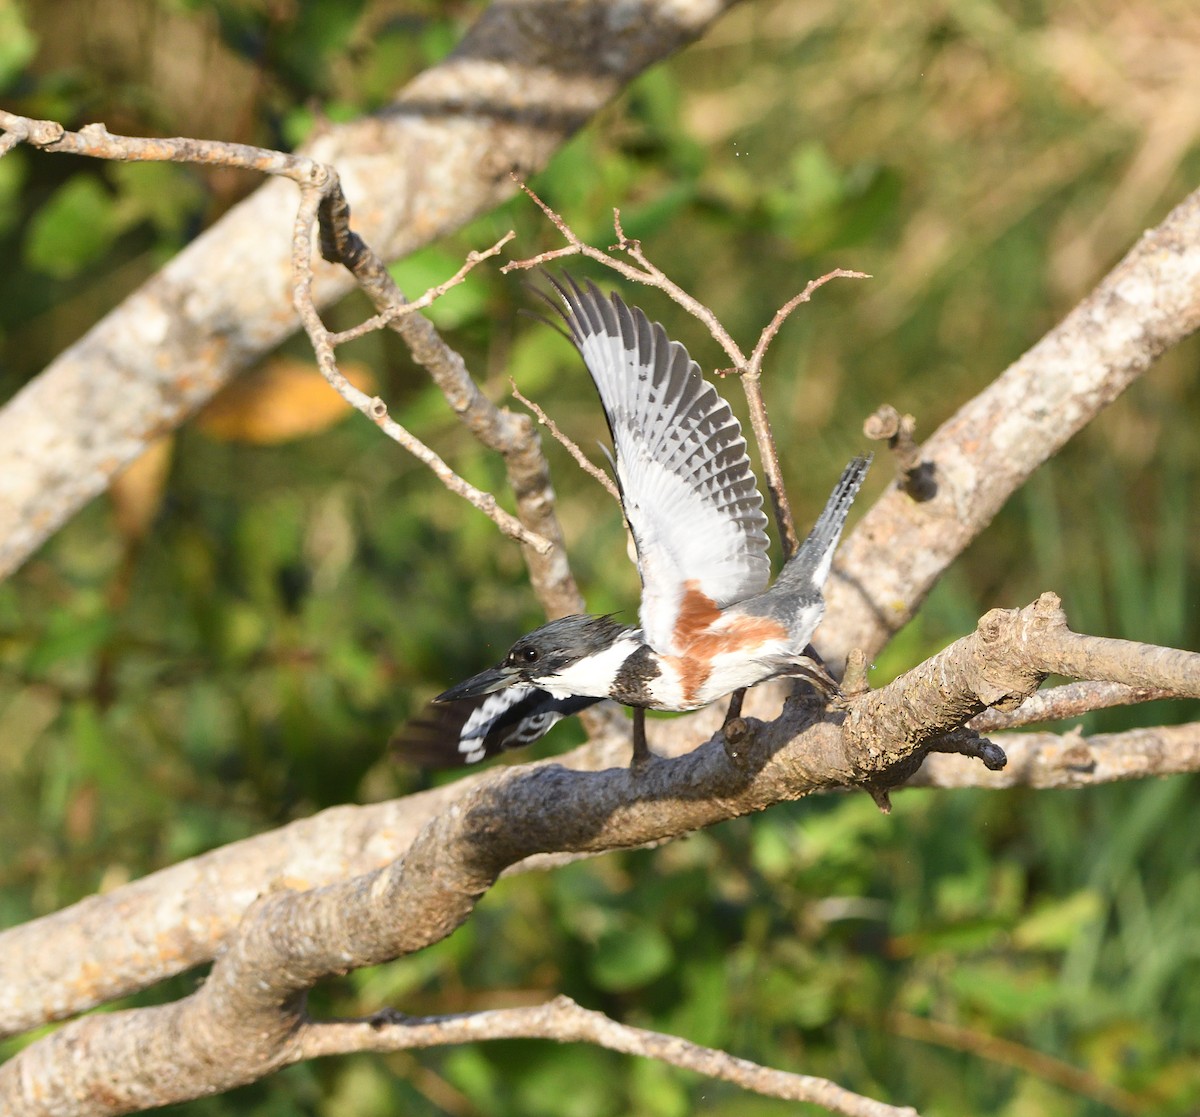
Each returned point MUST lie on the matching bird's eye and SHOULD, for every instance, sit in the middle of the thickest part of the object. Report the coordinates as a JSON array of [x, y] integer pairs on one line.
[[528, 655]]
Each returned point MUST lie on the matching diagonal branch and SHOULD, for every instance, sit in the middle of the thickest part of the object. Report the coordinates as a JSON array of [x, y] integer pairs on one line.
[[568, 444], [322, 201], [313, 198], [513, 437], [1148, 303]]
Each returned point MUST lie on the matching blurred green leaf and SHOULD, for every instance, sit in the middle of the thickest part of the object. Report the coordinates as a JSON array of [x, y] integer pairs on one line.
[[1057, 924], [567, 1081], [657, 1090], [67, 637], [626, 958], [18, 44], [74, 228], [1005, 993], [473, 1073], [166, 195], [13, 170]]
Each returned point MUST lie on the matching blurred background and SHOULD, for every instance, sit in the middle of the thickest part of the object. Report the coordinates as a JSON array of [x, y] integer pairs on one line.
[[227, 642]]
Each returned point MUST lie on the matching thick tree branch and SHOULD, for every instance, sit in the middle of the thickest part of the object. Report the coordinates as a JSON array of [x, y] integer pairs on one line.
[[500, 820]]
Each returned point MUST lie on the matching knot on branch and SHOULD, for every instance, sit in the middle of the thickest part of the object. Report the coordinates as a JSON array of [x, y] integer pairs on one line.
[[1049, 607], [854, 678], [899, 431], [1003, 675], [44, 133]]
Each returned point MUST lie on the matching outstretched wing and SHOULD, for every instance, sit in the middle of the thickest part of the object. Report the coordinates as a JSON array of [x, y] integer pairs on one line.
[[686, 484], [447, 734]]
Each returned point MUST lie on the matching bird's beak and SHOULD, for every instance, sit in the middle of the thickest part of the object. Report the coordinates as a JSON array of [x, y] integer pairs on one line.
[[494, 678]]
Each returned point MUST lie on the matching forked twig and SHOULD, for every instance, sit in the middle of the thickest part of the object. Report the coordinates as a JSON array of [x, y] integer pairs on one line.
[[399, 309], [748, 369], [374, 408]]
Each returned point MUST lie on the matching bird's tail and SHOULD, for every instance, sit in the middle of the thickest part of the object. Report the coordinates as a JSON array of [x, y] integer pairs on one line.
[[809, 566]]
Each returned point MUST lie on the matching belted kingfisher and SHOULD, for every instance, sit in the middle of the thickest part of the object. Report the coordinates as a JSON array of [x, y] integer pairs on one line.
[[709, 624]]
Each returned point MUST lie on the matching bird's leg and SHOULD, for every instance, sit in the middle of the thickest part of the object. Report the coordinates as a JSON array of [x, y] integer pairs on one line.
[[641, 751], [735, 706]]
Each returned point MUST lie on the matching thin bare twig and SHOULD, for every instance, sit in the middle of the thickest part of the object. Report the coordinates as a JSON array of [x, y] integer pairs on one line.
[[388, 316], [97, 142], [569, 444], [1005, 1051], [224, 300], [647, 273], [320, 196], [513, 437], [1071, 760], [781, 315], [564, 1021]]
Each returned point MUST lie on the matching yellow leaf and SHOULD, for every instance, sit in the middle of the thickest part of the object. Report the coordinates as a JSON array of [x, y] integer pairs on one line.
[[281, 400]]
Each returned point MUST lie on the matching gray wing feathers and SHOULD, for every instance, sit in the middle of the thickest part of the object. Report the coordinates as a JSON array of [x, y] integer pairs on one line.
[[690, 495]]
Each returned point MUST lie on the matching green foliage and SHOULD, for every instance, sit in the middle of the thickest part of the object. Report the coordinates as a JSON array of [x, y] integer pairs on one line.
[[245, 664], [17, 43], [72, 230]]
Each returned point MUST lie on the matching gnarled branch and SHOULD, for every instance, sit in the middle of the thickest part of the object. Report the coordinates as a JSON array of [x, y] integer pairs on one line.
[[249, 1013]]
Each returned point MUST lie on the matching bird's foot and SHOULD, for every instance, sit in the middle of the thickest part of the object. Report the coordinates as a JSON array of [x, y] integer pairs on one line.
[[811, 667]]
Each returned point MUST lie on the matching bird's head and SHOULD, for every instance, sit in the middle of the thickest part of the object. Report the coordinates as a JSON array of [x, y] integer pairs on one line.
[[541, 657]]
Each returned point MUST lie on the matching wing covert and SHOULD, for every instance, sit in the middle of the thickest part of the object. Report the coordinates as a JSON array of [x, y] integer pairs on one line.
[[688, 490]]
